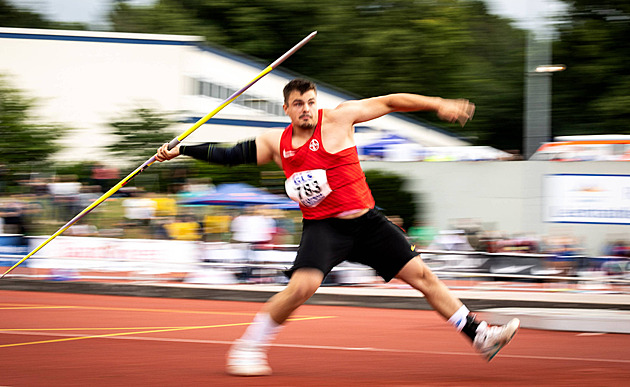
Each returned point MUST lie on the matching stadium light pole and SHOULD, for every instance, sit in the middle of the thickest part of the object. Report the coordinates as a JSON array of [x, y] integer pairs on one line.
[[538, 73], [538, 105]]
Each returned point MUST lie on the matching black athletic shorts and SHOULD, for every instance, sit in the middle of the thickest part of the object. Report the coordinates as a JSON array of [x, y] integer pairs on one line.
[[370, 239]]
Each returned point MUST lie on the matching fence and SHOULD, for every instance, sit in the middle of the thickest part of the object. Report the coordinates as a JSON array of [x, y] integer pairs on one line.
[[219, 263]]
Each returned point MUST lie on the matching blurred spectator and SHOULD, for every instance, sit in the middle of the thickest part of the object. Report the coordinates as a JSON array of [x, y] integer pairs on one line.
[[618, 248], [451, 240], [184, 229], [88, 194], [38, 186], [216, 227], [421, 234], [165, 206], [105, 177], [564, 248], [64, 191], [198, 185], [519, 244], [139, 209], [12, 214], [253, 227], [616, 259], [284, 227]]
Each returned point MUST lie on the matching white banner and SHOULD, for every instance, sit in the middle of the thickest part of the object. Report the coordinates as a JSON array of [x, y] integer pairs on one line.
[[146, 255], [576, 198]]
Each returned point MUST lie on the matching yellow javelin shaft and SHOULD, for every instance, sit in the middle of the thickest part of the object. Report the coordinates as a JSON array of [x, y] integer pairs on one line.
[[172, 144], [208, 116]]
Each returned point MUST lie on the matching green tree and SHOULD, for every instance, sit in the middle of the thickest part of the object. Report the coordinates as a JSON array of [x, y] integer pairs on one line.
[[26, 143], [390, 195], [250, 174], [591, 96], [141, 133], [443, 47], [14, 16]]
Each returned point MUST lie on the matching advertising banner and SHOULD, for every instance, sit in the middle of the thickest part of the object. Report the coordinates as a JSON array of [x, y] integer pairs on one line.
[[583, 198], [12, 249], [116, 254]]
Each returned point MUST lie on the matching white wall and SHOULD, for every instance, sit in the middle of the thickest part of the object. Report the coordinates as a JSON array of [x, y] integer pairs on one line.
[[506, 195]]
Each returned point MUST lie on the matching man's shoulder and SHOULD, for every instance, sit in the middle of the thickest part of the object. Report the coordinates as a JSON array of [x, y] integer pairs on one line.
[[270, 134], [270, 140]]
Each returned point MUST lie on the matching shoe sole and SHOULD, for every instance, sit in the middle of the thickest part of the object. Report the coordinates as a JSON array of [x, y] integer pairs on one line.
[[248, 371], [516, 322]]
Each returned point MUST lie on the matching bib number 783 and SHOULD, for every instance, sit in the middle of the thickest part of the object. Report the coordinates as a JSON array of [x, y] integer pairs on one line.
[[308, 188]]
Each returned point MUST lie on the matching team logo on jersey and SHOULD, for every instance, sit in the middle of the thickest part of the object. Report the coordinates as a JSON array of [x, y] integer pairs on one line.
[[288, 153], [314, 145]]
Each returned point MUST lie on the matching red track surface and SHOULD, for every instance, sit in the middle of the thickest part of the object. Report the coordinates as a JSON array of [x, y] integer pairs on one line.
[[80, 340]]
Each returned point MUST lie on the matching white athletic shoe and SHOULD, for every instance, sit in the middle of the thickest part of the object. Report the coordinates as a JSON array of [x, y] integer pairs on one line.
[[490, 339], [247, 359]]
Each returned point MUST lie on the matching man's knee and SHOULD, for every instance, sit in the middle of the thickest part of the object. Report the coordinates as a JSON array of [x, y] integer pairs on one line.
[[304, 283], [417, 274]]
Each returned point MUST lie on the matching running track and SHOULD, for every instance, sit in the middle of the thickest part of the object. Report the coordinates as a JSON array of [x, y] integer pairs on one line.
[[57, 339]]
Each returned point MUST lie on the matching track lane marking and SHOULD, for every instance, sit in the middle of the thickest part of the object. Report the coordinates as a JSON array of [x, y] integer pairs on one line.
[[352, 349], [44, 330], [160, 330], [41, 306]]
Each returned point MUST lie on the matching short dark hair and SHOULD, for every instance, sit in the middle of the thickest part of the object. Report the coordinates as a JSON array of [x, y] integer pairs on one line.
[[299, 84]]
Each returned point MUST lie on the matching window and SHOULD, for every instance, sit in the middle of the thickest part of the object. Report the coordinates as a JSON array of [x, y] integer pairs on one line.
[[209, 89]]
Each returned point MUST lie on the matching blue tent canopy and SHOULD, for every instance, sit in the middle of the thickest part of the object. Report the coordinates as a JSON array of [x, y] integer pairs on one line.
[[241, 195], [379, 147]]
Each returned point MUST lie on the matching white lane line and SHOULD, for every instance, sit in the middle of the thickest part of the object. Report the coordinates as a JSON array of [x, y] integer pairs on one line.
[[333, 348]]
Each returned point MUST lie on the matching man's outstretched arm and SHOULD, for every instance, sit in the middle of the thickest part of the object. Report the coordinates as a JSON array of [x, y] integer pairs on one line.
[[450, 110]]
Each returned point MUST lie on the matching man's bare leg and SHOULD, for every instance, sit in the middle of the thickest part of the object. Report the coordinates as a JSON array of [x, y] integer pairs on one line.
[[417, 274], [486, 340], [303, 284], [248, 356]]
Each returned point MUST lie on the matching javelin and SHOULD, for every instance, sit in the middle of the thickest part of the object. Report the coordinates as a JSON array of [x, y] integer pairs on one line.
[[171, 145]]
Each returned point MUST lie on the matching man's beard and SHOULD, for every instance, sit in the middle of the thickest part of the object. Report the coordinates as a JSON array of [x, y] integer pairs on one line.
[[307, 125]]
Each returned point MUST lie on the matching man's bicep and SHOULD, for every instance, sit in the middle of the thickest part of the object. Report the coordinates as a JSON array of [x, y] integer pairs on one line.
[[364, 110], [265, 148]]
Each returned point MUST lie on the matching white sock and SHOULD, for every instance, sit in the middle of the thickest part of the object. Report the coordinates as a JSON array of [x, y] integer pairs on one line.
[[458, 319], [262, 330]]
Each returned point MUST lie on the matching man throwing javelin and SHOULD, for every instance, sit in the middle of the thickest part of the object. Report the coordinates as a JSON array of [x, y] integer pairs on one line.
[[318, 155]]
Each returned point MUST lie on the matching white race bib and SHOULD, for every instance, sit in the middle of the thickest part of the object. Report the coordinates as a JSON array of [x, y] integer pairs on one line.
[[308, 188]]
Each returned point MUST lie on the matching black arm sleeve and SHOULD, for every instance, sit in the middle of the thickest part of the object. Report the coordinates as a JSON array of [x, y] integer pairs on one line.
[[242, 153]]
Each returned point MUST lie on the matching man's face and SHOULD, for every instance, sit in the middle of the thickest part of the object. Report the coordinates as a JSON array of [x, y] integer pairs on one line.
[[302, 108]]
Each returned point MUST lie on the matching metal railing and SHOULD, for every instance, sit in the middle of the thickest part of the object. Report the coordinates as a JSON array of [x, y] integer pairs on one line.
[[476, 268]]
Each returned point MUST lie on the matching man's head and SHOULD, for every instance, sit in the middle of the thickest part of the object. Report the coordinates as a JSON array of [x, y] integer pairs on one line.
[[300, 103]]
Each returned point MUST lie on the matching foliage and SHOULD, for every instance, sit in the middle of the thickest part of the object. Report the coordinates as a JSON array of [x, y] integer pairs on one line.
[[591, 96], [449, 48], [141, 133], [390, 195], [26, 143], [14, 16], [442, 47], [250, 174]]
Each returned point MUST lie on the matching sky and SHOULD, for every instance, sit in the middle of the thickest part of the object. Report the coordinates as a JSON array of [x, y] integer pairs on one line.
[[527, 13]]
